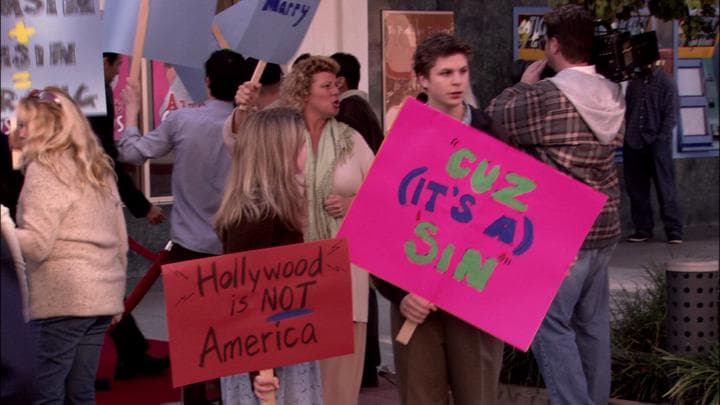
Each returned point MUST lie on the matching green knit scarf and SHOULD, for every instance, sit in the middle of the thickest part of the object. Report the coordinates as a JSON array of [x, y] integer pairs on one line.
[[334, 148]]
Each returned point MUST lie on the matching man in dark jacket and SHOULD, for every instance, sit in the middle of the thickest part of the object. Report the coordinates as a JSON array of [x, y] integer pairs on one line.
[[11, 180], [104, 128], [17, 348], [354, 107], [129, 340], [445, 354], [650, 118]]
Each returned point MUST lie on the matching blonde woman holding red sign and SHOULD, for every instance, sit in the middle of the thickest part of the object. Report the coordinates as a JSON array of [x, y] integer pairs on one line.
[[263, 206], [336, 160]]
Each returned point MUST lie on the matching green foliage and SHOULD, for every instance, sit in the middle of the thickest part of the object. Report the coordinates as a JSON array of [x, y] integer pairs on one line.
[[605, 10], [641, 371], [694, 25], [637, 329], [609, 11], [698, 379], [668, 9], [520, 368]]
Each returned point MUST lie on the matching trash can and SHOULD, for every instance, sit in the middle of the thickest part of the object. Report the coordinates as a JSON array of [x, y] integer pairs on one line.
[[692, 306]]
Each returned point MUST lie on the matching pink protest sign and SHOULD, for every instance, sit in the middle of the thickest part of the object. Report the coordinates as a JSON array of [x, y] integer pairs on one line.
[[482, 230], [118, 104]]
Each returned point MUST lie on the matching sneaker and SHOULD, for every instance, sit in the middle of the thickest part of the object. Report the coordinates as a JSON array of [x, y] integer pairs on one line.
[[674, 240], [638, 237]]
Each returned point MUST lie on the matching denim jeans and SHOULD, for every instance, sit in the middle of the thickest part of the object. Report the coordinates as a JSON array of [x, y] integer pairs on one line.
[[572, 346], [68, 355]]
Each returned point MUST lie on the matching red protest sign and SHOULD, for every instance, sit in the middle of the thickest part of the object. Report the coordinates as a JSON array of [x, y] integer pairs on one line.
[[258, 309]]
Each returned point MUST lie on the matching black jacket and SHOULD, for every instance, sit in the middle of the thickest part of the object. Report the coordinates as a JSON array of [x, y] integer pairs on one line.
[[104, 127], [357, 113], [11, 181]]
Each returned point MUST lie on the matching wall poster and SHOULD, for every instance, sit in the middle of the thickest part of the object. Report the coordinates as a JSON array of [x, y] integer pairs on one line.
[[402, 32]]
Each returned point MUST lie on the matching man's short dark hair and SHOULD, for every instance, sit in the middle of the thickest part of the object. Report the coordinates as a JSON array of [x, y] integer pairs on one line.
[[301, 58], [272, 74], [438, 45], [573, 27], [225, 71], [349, 68], [111, 57]]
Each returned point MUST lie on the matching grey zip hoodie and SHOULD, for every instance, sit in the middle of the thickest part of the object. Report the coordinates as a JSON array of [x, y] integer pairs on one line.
[[599, 101]]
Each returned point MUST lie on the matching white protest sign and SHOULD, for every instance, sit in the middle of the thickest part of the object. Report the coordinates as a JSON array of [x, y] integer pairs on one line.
[[52, 44]]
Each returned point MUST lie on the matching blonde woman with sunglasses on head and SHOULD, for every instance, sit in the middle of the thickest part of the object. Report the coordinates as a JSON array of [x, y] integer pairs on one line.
[[72, 234]]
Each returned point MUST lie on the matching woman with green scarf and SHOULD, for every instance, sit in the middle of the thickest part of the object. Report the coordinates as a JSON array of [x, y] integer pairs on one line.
[[336, 160]]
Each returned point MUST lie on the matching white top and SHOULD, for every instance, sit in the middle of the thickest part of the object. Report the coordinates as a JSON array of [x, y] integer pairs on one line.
[[349, 176]]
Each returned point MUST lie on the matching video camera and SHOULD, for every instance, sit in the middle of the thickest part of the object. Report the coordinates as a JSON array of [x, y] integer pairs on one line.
[[616, 55], [620, 56]]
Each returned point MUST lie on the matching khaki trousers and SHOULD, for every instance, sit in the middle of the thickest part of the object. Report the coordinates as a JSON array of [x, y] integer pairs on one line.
[[341, 376], [446, 355]]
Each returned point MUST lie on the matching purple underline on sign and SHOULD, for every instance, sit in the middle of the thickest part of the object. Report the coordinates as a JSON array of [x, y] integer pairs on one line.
[[289, 314]]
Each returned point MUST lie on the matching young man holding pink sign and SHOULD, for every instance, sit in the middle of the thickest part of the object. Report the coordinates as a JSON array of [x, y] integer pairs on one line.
[[573, 122], [445, 354]]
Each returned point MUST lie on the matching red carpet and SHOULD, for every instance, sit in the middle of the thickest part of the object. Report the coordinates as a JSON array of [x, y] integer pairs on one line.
[[154, 390]]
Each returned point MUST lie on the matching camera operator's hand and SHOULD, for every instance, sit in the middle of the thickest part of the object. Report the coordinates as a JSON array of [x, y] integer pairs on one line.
[[533, 72]]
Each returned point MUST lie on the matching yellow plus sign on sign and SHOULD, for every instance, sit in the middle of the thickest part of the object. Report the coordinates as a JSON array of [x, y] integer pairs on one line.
[[21, 33]]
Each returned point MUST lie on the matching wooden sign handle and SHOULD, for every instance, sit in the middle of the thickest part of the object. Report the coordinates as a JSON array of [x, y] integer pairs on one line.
[[219, 36], [259, 69], [141, 29], [268, 373], [406, 332], [16, 156]]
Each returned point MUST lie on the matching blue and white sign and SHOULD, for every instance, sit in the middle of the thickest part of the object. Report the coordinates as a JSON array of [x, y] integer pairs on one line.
[[269, 30], [177, 30], [52, 44]]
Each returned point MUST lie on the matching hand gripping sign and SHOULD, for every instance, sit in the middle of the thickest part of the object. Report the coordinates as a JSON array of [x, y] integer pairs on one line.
[[476, 227], [257, 310]]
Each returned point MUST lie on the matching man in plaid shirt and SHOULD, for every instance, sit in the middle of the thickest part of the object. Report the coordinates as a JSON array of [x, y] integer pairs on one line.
[[573, 121]]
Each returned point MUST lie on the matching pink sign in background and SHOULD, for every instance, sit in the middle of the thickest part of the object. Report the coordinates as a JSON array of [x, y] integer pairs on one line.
[[410, 209], [161, 73], [117, 88], [164, 99], [168, 92]]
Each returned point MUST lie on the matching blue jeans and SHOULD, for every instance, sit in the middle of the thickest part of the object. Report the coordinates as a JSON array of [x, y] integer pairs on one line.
[[68, 355], [572, 346]]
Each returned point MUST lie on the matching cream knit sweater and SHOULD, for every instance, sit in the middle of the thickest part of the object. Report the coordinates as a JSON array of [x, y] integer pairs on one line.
[[74, 242]]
